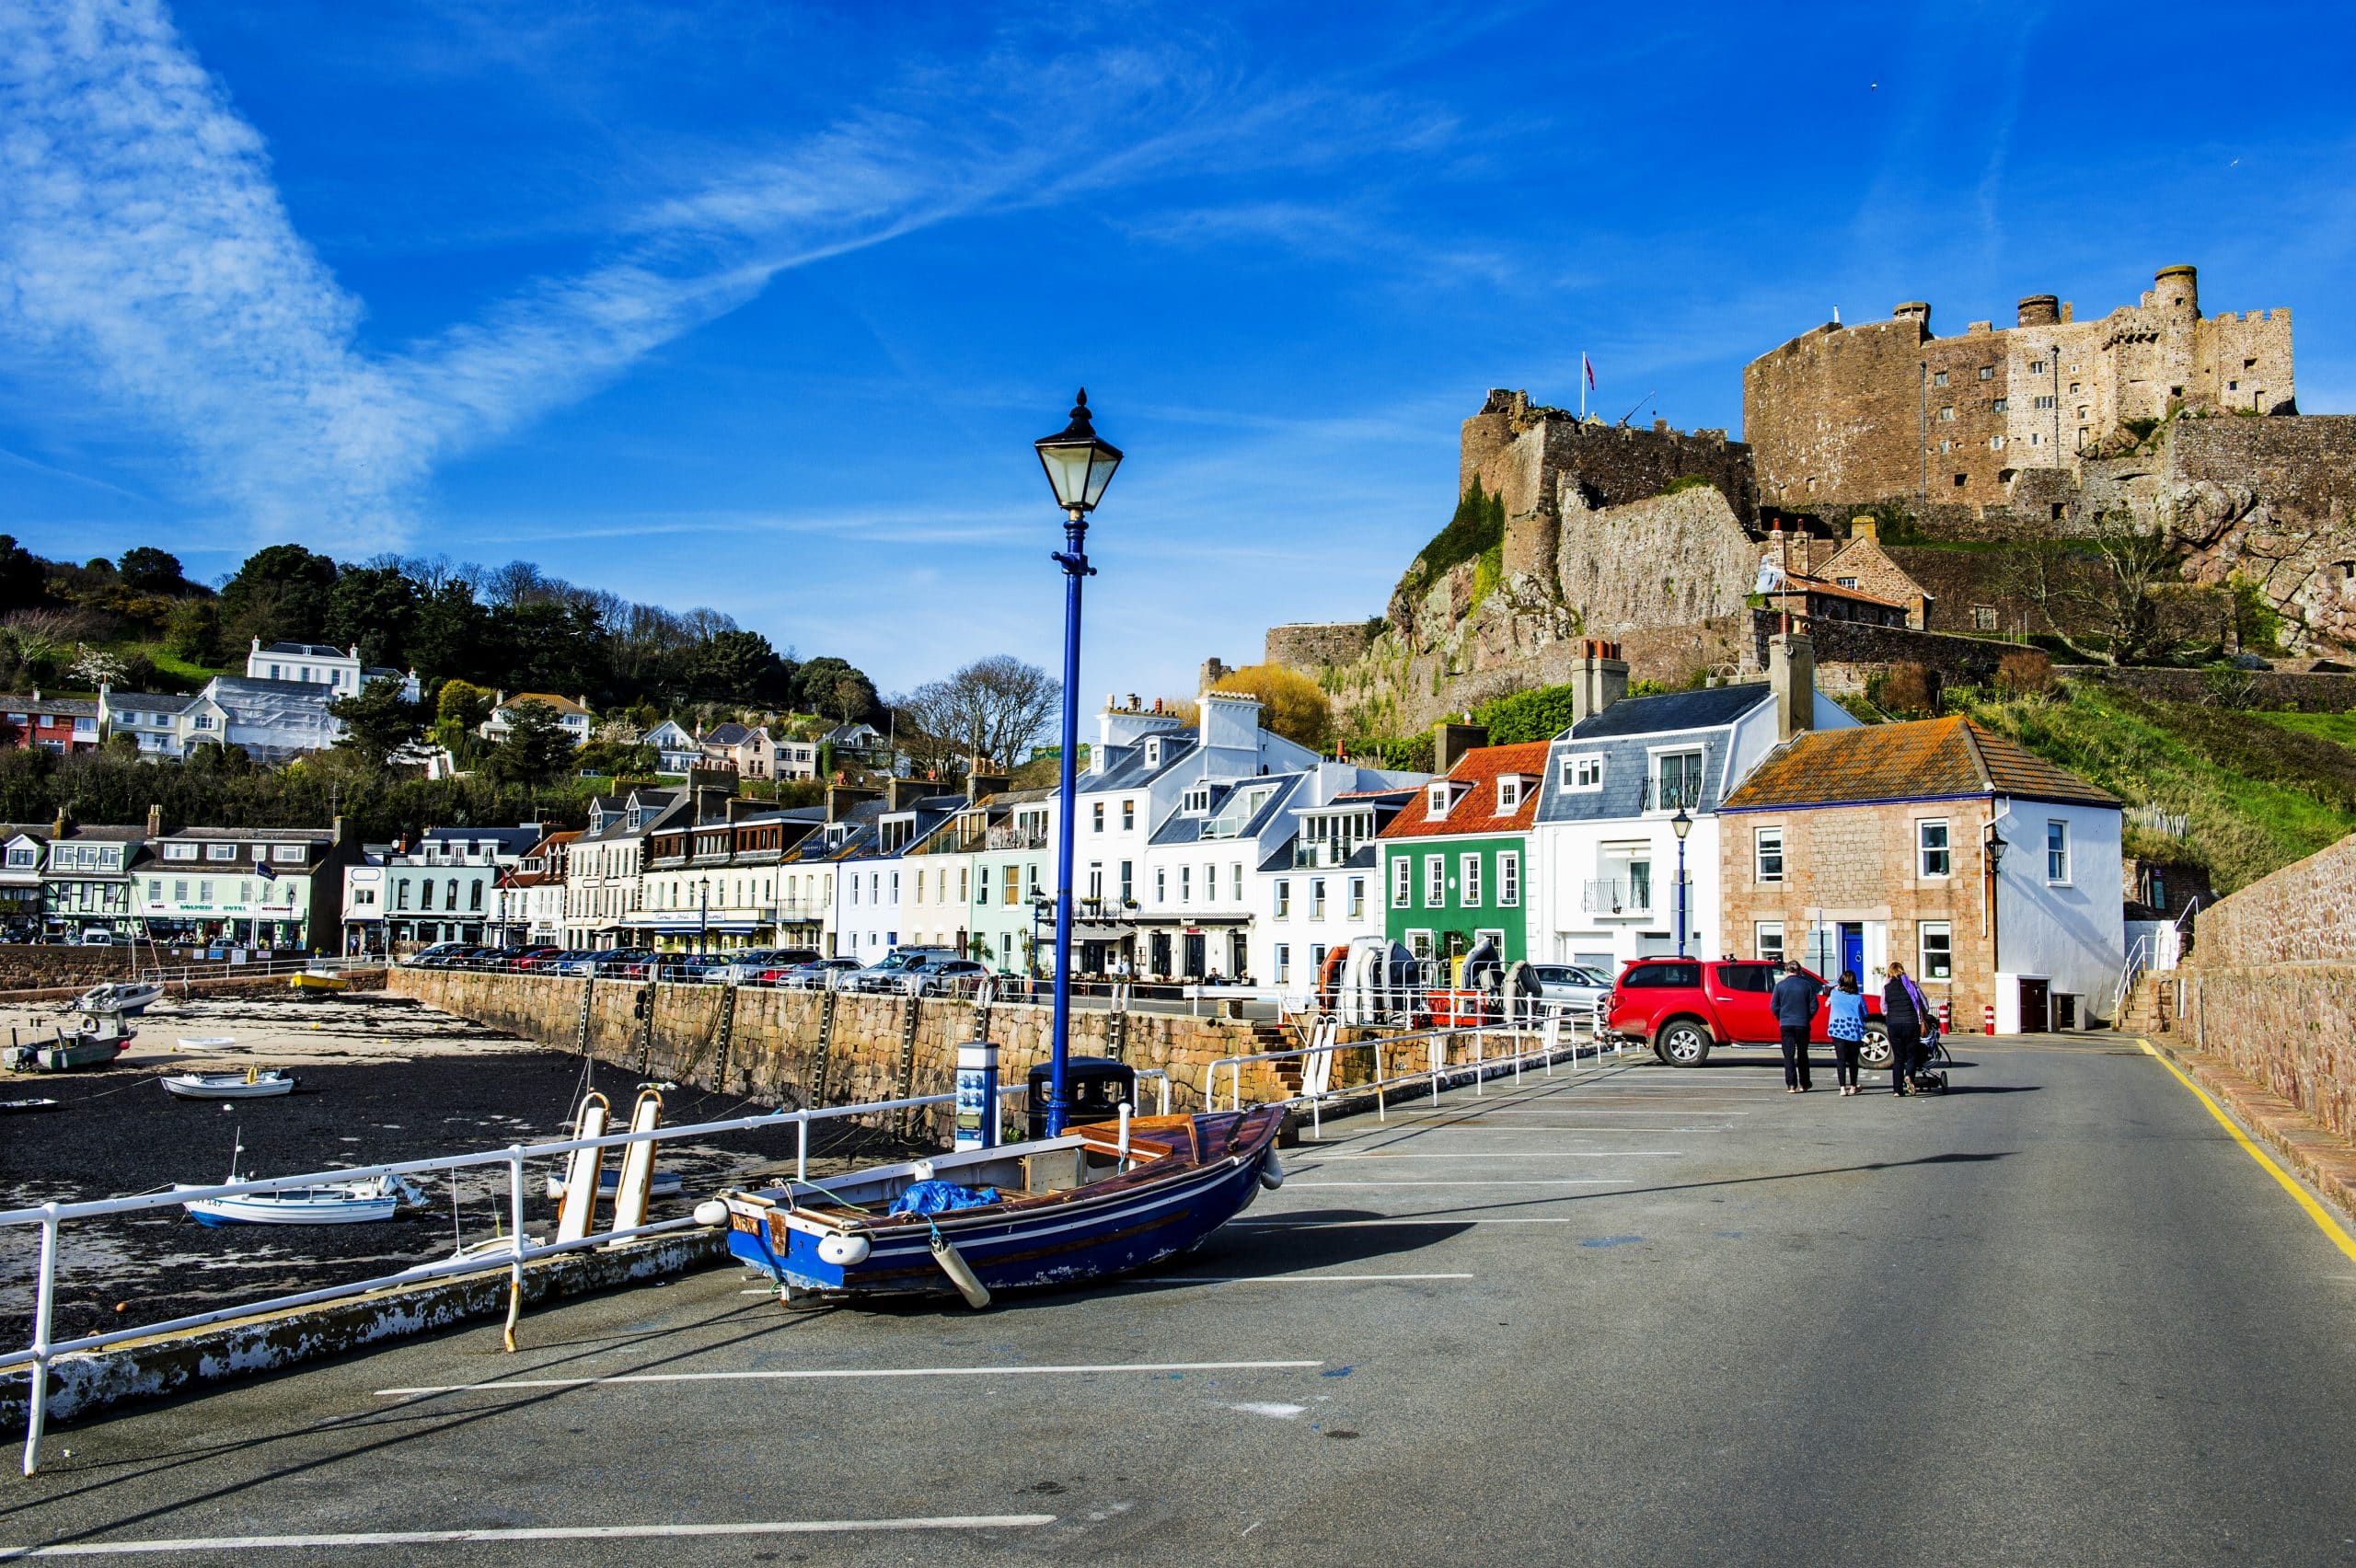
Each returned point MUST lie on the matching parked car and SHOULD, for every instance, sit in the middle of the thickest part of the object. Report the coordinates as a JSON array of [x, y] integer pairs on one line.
[[894, 972], [820, 975], [746, 967], [432, 957], [95, 937], [1570, 990], [1684, 1008], [948, 976]]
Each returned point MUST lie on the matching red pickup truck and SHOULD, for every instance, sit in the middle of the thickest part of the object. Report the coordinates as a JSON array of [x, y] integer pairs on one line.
[[1684, 1008]]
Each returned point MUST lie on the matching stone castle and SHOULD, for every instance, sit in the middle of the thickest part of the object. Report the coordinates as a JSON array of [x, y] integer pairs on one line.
[[1848, 416], [1662, 540]]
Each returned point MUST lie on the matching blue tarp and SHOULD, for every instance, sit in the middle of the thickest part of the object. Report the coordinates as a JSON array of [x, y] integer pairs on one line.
[[941, 1197]]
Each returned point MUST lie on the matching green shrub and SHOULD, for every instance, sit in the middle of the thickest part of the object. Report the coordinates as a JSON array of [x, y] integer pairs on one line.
[[1478, 526], [1538, 714]]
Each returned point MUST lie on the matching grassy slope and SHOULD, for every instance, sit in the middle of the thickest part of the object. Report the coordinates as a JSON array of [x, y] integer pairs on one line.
[[2339, 727], [2260, 795]]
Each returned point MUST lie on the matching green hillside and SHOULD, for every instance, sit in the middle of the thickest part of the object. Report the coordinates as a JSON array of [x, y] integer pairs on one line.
[[2261, 788]]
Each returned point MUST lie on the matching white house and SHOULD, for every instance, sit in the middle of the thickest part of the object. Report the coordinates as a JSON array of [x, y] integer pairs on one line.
[[1321, 888], [574, 718], [321, 663], [675, 751], [605, 866], [878, 864]]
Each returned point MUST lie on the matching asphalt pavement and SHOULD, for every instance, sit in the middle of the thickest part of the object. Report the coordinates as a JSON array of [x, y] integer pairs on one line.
[[1632, 1315]]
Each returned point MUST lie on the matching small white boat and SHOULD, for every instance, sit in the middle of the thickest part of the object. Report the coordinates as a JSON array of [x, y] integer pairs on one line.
[[204, 1042], [252, 1084], [120, 999], [665, 1184], [329, 1202], [490, 1252]]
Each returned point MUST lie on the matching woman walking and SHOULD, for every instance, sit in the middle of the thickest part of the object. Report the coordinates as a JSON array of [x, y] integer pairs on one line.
[[1847, 1027], [1903, 1013]]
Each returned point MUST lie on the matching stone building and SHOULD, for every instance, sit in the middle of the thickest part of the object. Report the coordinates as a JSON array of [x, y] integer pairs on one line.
[[1851, 415]]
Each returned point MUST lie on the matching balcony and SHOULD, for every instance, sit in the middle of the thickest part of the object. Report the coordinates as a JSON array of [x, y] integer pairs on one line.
[[1617, 895], [1671, 795], [1321, 854], [1011, 836]]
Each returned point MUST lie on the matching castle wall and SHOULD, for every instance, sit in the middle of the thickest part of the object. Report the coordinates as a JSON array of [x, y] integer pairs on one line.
[[1313, 645], [1526, 453], [1668, 561]]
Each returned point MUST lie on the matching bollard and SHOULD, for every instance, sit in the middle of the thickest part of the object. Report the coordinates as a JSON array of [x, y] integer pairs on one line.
[[1988, 1018]]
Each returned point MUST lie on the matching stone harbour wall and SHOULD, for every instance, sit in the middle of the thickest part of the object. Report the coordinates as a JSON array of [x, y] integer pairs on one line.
[[2283, 1026], [2305, 913], [790, 1048]]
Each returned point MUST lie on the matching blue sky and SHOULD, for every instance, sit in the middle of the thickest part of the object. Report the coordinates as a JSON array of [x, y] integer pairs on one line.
[[759, 306]]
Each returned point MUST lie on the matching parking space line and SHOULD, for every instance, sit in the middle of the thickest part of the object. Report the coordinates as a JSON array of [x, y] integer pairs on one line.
[[1406, 1219], [818, 1373], [1510, 1181], [1301, 1279], [567, 1532], [1503, 1154]]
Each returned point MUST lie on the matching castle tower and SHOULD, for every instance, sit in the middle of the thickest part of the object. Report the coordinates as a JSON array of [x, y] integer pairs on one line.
[[2038, 310]]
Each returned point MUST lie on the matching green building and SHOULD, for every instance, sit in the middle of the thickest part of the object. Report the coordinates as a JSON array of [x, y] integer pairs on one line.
[[1456, 863]]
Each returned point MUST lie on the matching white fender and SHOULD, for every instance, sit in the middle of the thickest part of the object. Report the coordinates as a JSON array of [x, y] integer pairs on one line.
[[845, 1251], [961, 1273], [1272, 1175], [712, 1214]]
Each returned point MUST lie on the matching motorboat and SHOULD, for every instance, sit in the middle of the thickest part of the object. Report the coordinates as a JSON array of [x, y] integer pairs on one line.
[[326, 1202], [254, 1083], [1101, 1200], [120, 999], [97, 1043]]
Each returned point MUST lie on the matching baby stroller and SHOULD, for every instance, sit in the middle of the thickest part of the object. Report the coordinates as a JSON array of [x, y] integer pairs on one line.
[[1930, 1072]]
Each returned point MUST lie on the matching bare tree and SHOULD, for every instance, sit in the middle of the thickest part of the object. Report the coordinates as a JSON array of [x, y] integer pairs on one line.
[[2106, 584], [992, 709]]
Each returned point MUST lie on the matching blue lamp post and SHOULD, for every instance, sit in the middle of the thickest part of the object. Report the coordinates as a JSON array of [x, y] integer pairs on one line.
[[1681, 825], [1080, 464]]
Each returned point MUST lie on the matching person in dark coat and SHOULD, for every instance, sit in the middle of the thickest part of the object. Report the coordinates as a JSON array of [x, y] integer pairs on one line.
[[1793, 1002], [1903, 1017]]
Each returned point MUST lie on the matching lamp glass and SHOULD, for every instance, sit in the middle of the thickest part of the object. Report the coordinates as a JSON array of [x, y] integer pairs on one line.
[[1068, 468], [1681, 825]]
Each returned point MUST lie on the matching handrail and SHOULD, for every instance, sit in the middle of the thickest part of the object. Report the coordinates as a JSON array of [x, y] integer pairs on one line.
[[1435, 1072]]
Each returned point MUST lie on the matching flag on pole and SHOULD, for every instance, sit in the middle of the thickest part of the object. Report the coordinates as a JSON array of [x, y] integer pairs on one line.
[[1587, 366]]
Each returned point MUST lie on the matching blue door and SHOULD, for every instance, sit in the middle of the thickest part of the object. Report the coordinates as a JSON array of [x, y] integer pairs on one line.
[[1852, 950]]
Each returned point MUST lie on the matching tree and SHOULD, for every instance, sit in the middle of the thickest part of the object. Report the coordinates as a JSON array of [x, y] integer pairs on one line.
[[371, 607], [993, 708], [1291, 703], [279, 595], [154, 571], [1538, 714], [122, 743], [828, 685], [378, 722], [535, 750], [739, 665], [450, 633], [462, 703], [193, 632], [24, 579], [96, 666], [2104, 589]]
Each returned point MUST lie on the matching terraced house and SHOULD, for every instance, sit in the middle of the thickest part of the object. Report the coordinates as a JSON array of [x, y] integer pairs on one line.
[[1456, 863]]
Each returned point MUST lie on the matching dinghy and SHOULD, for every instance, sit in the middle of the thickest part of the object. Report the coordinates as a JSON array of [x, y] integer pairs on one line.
[[26, 1107], [318, 982], [329, 1202], [1064, 1211], [95, 1044], [122, 999], [252, 1084]]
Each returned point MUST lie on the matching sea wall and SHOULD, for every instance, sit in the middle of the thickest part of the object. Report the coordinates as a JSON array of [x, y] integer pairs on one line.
[[814, 1048]]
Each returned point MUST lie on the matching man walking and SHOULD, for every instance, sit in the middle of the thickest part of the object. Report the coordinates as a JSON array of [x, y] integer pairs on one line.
[[1794, 1004]]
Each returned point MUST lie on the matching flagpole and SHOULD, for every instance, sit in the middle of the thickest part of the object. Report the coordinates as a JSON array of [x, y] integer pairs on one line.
[[1582, 387]]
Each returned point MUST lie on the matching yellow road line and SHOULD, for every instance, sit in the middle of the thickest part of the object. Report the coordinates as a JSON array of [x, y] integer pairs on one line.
[[2300, 1195]]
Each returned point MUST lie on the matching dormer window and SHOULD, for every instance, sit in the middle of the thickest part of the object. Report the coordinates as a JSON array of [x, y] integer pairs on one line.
[[1153, 751], [1435, 800], [1197, 800], [1508, 795], [1581, 772]]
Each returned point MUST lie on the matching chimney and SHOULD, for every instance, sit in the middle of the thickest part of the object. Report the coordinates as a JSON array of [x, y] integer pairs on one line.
[[57, 828], [841, 798], [1599, 679], [1864, 528], [900, 794], [980, 784], [335, 830], [154, 822], [1451, 740], [1791, 675]]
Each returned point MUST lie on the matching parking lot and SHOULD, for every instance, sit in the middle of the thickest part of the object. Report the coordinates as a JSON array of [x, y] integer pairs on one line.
[[1629, 1314]]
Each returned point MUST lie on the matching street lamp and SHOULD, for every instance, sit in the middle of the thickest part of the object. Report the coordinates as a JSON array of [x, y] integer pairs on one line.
[[703, 914], [1078, 465], [1681, 825], [1994, 845]]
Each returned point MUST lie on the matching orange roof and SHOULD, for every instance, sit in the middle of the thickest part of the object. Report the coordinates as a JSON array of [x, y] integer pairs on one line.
[[1926, 759], [1796, 583], [1474, 808]]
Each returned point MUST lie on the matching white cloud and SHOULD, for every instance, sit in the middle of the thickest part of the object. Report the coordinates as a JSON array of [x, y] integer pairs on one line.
[[144, 251]]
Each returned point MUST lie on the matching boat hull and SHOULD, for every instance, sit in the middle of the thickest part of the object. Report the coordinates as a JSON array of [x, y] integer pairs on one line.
[[1086, 1235], [72, 1057], [227, 1086], [299, 1206]]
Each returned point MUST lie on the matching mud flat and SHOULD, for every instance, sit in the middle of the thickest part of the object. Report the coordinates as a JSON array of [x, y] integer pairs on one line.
[[381, 1080]]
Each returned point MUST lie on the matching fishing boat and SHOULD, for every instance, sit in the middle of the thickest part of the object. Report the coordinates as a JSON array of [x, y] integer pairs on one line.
[[1060, 1211], [95, 1044], [120, 999], [328, 1202], [318, 982], [254, 1083]]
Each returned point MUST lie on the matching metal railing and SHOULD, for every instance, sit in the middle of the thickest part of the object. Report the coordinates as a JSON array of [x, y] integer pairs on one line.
[[38, 1355], [259, 969], [1615, 895]]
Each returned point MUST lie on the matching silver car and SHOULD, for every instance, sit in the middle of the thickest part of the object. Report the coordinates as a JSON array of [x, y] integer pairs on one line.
[[1570, 990]]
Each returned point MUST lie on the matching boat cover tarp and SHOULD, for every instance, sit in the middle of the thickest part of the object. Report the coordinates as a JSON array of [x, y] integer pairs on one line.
[[941, 1198]]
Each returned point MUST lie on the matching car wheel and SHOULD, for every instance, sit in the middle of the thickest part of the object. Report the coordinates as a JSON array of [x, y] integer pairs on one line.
[[1684, 1043], [1872, 1052]]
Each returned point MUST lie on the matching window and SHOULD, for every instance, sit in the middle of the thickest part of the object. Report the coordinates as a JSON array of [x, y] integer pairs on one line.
[[981, 886], [1987, 373], [476, 902], [1767, 854], [1767, 942], [1582, 773], [1358, 898], [1403, 878], [450, 894], [1420, 944], [1434, 881], [220, 851], [1317, 898], [400, 892], [1160, 885], [204, 892], [2044, 402], [22, 855], [1983, 617], [1010, 885], [1128, 815], [1096, 817], [1096, 881], [1935, 957], [1947, 411], [1508, 879], [1995, 444], [1960, 480], [1673, 975], [1435, 800], [1469, 879], [1940, 379], [1128, 883], [1283, 962], [1235, 882], [1947, 445], [1932, 857], [1195, 801], [1680, 782], [2000, 405], [287, 854], [2036, 367], [1185, 884], [1317, 952], [2057, 853], [154, 890], [1508, 795]]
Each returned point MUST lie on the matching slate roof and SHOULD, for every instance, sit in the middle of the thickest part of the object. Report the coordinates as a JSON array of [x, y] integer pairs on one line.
[[151, 701], [67, 706], [1927, 759], [1705, 710], [729, 734], [511, 840], [306, 650], [1184, 829], [1127, 769], [1475, 809]]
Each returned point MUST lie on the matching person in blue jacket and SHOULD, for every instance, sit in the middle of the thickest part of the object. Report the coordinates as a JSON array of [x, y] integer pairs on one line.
[[1793, 1002], [1847, 1027]]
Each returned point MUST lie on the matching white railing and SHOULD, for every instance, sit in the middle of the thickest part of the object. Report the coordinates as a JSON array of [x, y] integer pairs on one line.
[[50, 1217], [1613, 896], [261, 969]]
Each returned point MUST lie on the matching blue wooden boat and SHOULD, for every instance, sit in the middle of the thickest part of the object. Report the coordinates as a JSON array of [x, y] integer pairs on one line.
[[1070, 1210]]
